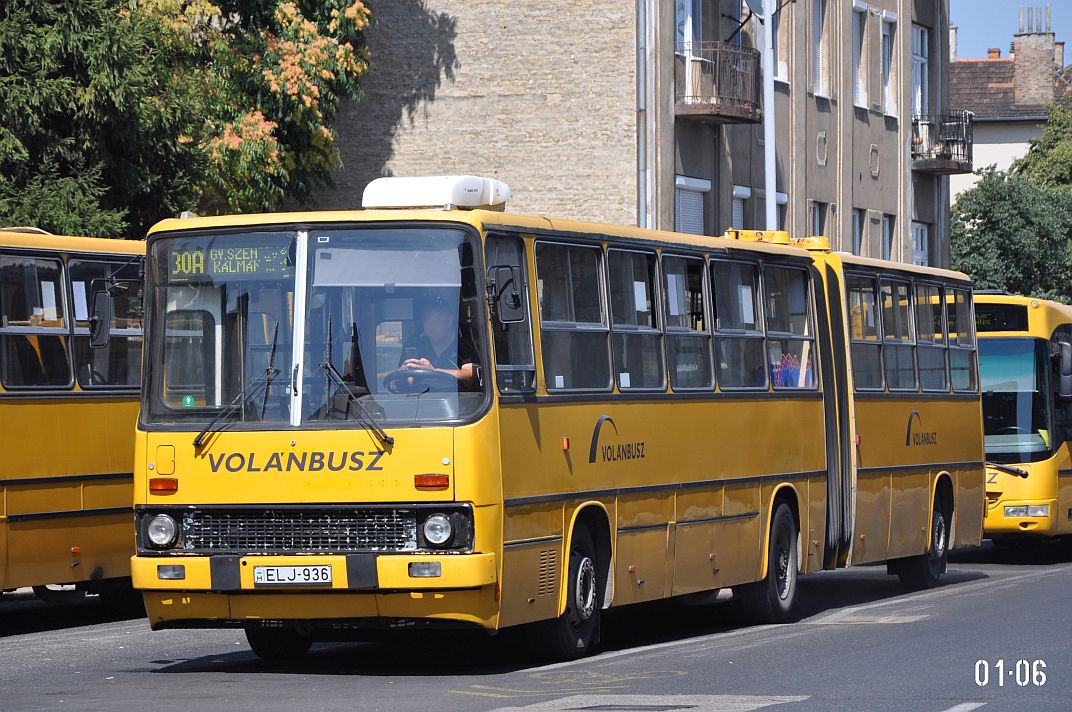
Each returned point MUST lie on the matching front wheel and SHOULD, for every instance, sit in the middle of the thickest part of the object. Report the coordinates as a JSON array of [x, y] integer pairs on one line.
[[278, 643], [572, 634], [771, 600], [923, 571]]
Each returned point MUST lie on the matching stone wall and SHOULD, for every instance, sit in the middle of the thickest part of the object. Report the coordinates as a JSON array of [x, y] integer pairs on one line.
[[539, 94]]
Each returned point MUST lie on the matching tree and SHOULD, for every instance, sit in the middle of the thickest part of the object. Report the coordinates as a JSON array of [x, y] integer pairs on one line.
[[1048, 160], [1009, 233], [117, 113]]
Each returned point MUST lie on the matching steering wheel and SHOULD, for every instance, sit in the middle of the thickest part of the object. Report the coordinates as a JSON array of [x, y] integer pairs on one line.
[[1011, 430], [419, 380]]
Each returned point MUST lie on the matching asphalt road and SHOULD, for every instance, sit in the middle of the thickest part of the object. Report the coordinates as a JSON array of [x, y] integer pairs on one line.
[[861, 644]]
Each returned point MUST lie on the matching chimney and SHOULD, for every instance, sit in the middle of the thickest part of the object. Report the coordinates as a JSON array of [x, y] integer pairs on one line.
[[1059, 54], [1034, 52], [952, 43], [993, 53]]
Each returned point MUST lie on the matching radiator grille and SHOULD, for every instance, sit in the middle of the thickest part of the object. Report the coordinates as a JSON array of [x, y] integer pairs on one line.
[[548, 566], [300, 530]]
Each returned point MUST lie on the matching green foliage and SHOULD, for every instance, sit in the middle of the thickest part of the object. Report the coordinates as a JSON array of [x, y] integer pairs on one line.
[[117, 113], [1010, 233], [1049, 158]]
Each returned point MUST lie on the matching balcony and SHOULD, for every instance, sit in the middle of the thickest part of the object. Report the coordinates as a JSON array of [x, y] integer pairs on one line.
[[717, 82], [942, 145]]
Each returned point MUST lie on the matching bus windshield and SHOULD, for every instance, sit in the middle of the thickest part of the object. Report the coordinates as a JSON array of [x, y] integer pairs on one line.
[[1017, 412], [389, 332]]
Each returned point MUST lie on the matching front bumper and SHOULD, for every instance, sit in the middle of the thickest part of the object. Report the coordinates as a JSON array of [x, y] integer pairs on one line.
[[997, 524]]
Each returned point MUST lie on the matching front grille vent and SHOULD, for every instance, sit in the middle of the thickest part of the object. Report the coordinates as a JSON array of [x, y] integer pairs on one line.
[[289, 530]]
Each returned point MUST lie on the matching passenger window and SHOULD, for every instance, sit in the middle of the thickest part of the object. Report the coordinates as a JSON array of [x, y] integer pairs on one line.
[[930, 338], [33, 325], [636, 341], [573, 327], [897, 336], [515, 366], [865, 347], [688, 342], [790, 349], [119, 363], [739, 358], [961, 334]]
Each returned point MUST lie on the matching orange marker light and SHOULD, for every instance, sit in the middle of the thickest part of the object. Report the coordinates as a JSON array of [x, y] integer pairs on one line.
[[565, 444], [163, 485], [76, 550], [431, 482]]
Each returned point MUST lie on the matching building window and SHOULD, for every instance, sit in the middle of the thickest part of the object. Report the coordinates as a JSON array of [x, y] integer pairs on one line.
[[781, 46], [818, 47], [689, 197], [889, 96], [857, 231], [739, 207], [887, 237], [920, 243], [859, 68], [920, 70], [688, 14], [818, 218], [782, 201]]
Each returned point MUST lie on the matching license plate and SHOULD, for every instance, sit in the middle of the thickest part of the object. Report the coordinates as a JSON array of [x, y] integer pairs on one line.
[[292, 575]]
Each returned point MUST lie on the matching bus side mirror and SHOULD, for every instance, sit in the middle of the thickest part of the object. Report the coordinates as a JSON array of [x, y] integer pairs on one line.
[[509, 306], [100, 319], [1064, 388]]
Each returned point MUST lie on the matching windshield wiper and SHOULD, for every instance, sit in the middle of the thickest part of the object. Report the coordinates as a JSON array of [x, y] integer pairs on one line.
[[1009, 470], [363, 416], [240, 401]]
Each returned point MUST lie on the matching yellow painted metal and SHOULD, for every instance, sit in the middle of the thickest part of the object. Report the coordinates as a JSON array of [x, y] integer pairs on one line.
[[65, 476]]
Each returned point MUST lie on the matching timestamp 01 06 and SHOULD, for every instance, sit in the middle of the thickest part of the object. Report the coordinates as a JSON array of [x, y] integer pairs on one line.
[[1023, 672]]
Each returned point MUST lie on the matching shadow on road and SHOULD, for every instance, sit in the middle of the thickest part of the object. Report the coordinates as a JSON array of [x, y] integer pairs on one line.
[[411, 653], [22, 613], [1025, 553]]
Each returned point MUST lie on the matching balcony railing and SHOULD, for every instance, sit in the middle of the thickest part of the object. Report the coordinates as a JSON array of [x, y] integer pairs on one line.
[[717, 82], [942, 144]]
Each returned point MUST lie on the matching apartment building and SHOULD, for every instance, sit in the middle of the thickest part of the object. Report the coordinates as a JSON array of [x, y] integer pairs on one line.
[[648, 112]]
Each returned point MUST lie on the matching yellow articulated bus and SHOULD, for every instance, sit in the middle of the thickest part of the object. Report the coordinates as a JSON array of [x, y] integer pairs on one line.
[[67, 412], [1025, 364], [442, 416]]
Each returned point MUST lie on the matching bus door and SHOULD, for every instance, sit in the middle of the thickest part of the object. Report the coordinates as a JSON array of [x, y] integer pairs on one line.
[[838, 437]]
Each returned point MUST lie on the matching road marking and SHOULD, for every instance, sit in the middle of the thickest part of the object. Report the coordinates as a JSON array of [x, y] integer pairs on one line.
[[965, 707], [658, 703], [565, 682]]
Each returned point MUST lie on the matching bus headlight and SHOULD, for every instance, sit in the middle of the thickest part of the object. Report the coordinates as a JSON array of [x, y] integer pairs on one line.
[[437, 529], [162, 530], [1028, 510]]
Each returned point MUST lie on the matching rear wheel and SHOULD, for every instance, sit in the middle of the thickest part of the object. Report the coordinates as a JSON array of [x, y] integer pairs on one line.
[[278, 643], [771, 600], [572, 634], [923, 571]]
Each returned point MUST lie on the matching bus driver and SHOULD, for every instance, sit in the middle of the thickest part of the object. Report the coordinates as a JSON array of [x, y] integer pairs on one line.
[[440, 347]]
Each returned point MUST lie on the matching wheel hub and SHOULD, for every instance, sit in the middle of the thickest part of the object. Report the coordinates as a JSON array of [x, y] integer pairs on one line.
[[585, 590]]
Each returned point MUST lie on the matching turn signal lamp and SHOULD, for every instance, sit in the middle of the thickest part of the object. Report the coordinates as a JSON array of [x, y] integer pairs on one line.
[[431, 482], [163, 485]]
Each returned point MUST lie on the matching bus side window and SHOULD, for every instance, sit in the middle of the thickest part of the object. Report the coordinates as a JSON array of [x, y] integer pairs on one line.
[[897, 338], [635, 339], [866, 349], [189, 370], [930, 338], [573, 323], [119, 364], [515, 364], [33, 328], [961, 339], [688, 337], [739, 357], [790, 347]]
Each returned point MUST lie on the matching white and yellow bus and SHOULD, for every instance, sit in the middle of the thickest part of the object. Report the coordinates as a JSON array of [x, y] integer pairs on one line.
[[442, 416], [67, 412], [1025, 363]]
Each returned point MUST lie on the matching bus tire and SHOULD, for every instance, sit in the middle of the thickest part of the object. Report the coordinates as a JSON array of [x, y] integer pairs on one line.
[[278, 643], [572, 635], [923, 571], [772, 599]]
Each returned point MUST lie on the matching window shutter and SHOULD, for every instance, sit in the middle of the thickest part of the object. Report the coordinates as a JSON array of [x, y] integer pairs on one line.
[[817, 46], [737, 217], [857, 58], [688, 211]]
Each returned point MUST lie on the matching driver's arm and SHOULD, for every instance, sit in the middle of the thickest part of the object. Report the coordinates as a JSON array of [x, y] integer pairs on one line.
[[463, 374]]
